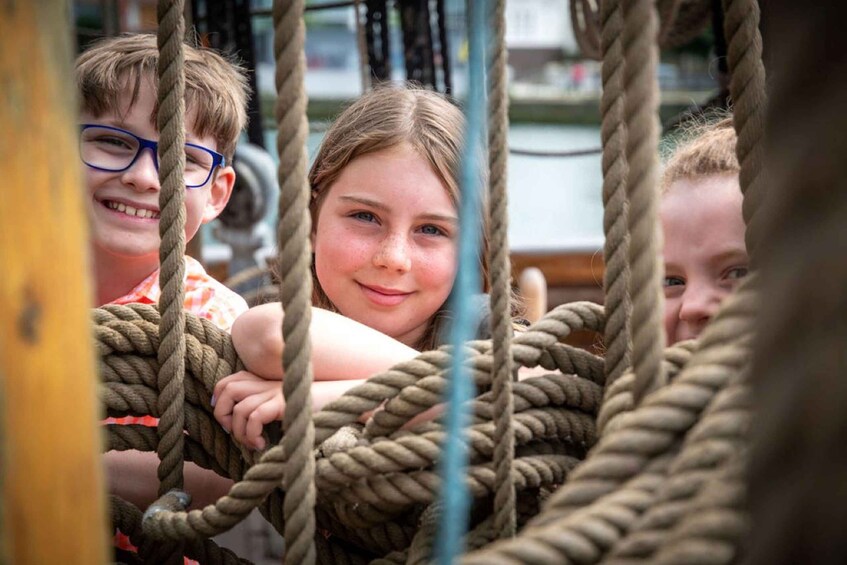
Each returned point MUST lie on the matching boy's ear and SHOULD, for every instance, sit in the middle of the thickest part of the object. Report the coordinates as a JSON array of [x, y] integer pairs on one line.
[[219, 193]]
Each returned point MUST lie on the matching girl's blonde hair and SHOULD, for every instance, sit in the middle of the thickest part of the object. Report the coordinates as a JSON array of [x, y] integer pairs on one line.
[[708, 149], [216, 89], [383, 118]]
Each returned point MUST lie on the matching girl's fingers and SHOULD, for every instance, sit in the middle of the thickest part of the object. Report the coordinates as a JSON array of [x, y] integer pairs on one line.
[[233, 392], [271, 409], [241, 413]]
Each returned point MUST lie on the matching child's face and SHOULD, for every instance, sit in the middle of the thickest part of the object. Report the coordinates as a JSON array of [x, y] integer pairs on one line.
[[704, 251], [114, 196], [385, 243]]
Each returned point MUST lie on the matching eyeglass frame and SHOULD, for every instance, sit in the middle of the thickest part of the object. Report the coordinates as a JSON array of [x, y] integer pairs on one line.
[[218, 159]]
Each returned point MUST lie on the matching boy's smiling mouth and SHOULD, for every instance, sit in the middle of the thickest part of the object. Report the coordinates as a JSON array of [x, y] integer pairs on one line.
[[128, 210]]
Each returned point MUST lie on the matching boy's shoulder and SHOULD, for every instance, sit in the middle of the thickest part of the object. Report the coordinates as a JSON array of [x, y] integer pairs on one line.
[[210, 299], [204, 296]]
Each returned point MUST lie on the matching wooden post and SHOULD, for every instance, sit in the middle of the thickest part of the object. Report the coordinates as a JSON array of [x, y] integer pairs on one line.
[[52, 489]]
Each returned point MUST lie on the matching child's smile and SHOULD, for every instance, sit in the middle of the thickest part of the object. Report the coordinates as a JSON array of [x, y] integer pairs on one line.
[[123, 206], [385, 242]]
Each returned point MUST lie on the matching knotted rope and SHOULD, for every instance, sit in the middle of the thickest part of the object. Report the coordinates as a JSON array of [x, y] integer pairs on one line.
[[501, 270], [665, 458], [171, 124], [365, 487], [296, 280]]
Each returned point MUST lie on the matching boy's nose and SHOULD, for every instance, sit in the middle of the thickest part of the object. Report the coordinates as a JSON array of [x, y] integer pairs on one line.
[[393, 254], [143, 175]]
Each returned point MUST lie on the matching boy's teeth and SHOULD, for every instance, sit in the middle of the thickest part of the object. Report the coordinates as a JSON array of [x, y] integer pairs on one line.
[[130, 211]]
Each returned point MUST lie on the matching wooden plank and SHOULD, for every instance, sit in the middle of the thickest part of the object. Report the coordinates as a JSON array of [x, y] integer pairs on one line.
[[52, 488], [565, 268]]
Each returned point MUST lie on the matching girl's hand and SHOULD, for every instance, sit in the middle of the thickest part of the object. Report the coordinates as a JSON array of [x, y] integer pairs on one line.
[[244, 403]]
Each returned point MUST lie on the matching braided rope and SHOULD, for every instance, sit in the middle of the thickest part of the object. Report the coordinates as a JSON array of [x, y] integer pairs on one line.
[[747, 87], [604, 496], [500, 265], [615, 206], [583, 21], [171, 124], [296, 283], [363, 485], [640, 109], [617, 398], [681, 21]]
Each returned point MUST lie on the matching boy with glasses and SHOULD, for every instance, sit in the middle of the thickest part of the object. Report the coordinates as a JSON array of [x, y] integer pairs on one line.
[[117, 81], [118, 143]]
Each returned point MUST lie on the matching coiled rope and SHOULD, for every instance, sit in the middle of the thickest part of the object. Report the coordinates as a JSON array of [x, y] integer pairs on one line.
[[679, 453]]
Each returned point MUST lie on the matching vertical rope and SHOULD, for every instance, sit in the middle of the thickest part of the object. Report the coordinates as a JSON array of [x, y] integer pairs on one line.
[[296, 284], [501, 330], [640, 109], [455, 497], [615, 205], [171, 354], [362, 45], [749, 100]]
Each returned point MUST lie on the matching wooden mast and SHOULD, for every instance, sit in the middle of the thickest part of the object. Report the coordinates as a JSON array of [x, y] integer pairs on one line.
[[52, 490]]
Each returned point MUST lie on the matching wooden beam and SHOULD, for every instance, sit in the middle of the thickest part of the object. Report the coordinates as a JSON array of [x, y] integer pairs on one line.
[[52, 488], [583, 269]]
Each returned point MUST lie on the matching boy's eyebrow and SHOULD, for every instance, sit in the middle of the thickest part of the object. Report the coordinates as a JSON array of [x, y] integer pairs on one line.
[[384, 208]]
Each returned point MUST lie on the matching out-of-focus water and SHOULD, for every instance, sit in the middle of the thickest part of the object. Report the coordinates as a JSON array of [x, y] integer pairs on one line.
[[555, 203]]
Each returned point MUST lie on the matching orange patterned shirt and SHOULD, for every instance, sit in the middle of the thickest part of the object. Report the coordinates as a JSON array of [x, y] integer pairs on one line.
[[205, 297]]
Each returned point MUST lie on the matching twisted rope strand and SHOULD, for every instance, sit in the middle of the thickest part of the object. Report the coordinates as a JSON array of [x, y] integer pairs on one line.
[[615, 203], [640, 109], [296, 283], [747, 87], [501, 288], [171, 124]]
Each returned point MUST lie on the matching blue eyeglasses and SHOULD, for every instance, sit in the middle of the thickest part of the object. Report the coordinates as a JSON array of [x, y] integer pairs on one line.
[[106, 148]]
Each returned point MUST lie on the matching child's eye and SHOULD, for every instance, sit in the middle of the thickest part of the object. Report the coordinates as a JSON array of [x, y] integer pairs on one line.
[[113, 141], [673, 281], [736, 273], [363, 216], [430, 229]]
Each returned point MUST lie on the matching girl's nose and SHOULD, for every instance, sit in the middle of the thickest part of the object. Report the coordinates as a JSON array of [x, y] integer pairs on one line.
[[393, 254]]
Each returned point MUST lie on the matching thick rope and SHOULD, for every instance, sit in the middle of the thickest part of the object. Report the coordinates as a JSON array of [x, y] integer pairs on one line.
[[681, 21], [583, 21], [296, 283], [604, 497], [641, 117], [500, 265], [749, 100], [615, 205], [171, 124], [382, 480]]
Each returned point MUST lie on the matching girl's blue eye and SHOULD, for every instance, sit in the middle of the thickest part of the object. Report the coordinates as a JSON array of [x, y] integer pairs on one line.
[[364, 216], [429, 229], [672, 281]]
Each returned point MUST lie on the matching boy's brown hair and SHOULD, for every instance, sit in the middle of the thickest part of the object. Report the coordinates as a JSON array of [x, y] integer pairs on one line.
[[216, 89], [708, 149]]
